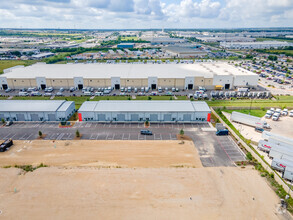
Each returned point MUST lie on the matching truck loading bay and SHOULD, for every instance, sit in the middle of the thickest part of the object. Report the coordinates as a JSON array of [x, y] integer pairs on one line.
[[214, 150]]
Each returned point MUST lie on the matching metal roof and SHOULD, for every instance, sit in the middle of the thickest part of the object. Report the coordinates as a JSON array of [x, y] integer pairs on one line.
[[65, 106], [30, 105], [124, 70], [143, 106]]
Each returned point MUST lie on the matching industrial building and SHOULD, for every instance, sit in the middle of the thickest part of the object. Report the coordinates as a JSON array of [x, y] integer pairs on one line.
[[182, 76], [185, 52], [140, 111], [36, 110], [126, 45], [255, 45]]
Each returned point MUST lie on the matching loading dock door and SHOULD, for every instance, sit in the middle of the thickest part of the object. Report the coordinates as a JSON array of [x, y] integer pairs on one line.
[[154, 86], [227, 86], [35, 117], [117, 86], [186, 117], [51, 117], [4, 86], [20, 117], [153, 117], [43, 86], [134, 117], [80, 86], [167, 117], [121, 117], [190, 86], [101, 117]]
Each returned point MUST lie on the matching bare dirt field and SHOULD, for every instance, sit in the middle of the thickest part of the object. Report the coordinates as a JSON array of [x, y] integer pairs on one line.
[[136, 193], [102, 153], [127, 180]]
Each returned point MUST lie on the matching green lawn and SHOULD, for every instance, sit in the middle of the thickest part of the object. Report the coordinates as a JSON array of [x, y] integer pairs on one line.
[[129, 38], [4, 64], [79, 100], [254, 112], [282, 101]]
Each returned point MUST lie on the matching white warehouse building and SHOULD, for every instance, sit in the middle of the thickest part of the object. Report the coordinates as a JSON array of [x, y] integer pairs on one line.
[[140, 111], [36, 110], [182, 76]]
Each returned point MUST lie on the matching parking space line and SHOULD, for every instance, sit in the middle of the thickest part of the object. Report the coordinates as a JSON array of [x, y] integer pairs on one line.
[[60, 136], [97, 137], [6, 136]]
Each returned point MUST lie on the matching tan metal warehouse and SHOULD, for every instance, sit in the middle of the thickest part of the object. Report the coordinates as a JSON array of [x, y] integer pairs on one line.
[[184, 76]]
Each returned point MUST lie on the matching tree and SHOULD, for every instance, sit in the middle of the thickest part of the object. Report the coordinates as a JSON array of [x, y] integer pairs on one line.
[[149, 98], [40, 134], [147, 123], [77, 134], [3, 120], [181, 132]]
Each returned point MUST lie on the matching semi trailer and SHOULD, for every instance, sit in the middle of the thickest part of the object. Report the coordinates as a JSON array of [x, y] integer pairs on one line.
[[249, 120], [280, 165]]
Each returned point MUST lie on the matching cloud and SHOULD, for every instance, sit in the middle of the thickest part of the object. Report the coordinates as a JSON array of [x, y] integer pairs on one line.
[[145, 13]]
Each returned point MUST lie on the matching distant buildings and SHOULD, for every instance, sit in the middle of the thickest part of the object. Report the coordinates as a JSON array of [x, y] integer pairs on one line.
[[126, 45], [185, 52], [255, 45]]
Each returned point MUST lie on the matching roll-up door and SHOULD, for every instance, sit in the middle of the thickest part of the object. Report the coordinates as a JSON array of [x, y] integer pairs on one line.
[[186, 117], [35, 117], [120, 117], [51, 117], [134, 117], [153, 117], [101, 117], [167, 117], [20, 117]]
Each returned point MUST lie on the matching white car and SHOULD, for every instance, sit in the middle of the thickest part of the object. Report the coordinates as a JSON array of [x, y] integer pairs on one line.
[[291, 113], [268, 115]]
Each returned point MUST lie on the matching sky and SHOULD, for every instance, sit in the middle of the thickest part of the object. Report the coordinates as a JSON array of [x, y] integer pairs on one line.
[[145, 14]]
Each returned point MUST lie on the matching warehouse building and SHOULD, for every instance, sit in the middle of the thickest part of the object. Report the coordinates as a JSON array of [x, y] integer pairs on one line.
[[140, 111], [255, 45], [182, 76], [126, 45], [36, 110], [185, 52]]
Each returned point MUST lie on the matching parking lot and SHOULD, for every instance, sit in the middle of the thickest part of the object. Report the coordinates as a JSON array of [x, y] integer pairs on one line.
[[213, 150]]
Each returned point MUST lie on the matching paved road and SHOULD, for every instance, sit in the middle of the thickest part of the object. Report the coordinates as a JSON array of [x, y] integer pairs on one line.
[[213, 150]]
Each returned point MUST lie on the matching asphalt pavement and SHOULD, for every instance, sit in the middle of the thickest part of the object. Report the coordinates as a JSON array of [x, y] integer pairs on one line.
[[214, 151]]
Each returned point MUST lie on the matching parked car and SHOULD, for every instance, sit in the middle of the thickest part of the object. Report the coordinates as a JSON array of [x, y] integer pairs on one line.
[[8, 90], [72, 89], [48, 94], [8, 123], [260, 130], [61, 89], [146, 132], [59, 94]]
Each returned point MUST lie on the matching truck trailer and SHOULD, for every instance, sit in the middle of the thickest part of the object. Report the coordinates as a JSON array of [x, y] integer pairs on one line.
[[276, 138], [280, 165], [249, 120], [288, 173], [266, 146], [281, 153]]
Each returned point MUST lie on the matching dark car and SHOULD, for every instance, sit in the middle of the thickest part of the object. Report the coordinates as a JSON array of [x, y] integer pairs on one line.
[[146, 132], [222, 132], [260, 130]]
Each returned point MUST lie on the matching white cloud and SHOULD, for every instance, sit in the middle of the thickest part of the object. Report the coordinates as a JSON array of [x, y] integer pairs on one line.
[[146, 13]]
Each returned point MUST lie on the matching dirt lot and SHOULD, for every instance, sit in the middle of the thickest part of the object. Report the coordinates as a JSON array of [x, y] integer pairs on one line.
[[102, 153], [127, 180], [136, 193]]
